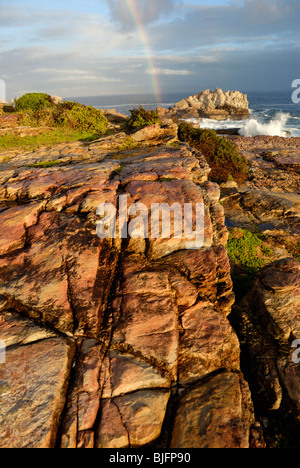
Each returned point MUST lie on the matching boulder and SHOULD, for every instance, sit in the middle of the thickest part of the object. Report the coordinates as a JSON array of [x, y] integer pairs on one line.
[[56, 100], [114, 117], [156, 134]]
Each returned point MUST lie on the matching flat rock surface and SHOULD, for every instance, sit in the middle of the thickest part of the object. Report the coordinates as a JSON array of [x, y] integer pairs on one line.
[[33, 383], [212, 415], [102, 336]]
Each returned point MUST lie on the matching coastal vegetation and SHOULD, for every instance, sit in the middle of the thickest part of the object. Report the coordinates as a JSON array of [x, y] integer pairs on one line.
[[248, 252], [71, 115], [246, 248], [141, 118], [46, 164], [33, 102], [48, 139], [223, 157], [63, 122]]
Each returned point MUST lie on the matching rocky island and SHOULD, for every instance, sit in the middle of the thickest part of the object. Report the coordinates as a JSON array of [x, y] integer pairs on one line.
[[130, 343], [216, 105]]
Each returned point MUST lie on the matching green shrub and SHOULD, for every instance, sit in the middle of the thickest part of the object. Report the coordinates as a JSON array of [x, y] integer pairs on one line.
[[221, 155], [141, 118], [71, 115], [75, 115], [40, 117], [244, 250], [33, 102], [248, 255]]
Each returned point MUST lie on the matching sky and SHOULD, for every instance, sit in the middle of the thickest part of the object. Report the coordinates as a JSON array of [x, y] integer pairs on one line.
[[104, 47]]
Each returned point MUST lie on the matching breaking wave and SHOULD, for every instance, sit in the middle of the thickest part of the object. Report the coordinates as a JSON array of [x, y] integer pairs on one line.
[[257, 124], [276, 127]]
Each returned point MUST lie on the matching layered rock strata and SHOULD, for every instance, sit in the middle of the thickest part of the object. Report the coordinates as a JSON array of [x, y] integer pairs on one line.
[[115, 343]]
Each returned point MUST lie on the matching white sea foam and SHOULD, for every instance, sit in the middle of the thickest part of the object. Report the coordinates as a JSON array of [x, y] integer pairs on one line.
[[220, 125], [276, 127], [254, 126]]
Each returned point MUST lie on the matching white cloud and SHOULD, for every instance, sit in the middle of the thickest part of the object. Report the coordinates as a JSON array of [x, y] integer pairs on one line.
[[61, 71], [170, 72], [84, 79]]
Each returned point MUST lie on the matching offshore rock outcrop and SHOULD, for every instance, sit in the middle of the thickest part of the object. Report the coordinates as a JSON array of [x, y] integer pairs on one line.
[[115, 343], [216, 105]]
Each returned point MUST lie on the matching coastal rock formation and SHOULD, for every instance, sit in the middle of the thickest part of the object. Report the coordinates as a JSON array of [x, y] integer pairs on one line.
[[274, 162], [217, 105], [9, 121], [266, 318], [115, 343], [270, 199], [24, 131], [269, 324], [11, 124], [114, 117]]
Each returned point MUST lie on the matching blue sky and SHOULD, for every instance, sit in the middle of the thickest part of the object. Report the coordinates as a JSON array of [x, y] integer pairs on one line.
[[93, 47]]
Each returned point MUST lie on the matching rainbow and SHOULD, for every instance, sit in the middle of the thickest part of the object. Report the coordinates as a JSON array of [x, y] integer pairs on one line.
[[133, 10]]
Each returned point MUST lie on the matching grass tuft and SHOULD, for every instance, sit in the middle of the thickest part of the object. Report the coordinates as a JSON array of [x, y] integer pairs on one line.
[[49, 139]]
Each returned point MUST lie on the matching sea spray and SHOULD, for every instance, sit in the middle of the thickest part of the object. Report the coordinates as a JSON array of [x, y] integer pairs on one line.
[[219, 124], [254, 126], [276, 127]]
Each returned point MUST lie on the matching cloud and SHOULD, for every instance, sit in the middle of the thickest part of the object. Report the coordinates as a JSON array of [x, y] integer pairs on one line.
[[267, 11], [247, 24], [170, 72], [14, 16], [194, 45], [128, 12]]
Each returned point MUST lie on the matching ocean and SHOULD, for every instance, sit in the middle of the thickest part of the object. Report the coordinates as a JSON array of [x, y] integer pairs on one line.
[[272, 113]]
